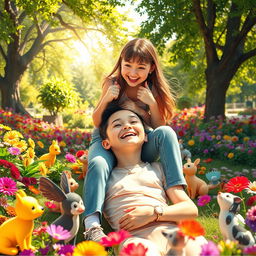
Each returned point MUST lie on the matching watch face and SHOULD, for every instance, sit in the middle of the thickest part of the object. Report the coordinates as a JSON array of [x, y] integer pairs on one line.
[[159, 210]]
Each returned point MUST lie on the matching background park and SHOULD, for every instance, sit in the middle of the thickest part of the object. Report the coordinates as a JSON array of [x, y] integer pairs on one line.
[[54, 55]]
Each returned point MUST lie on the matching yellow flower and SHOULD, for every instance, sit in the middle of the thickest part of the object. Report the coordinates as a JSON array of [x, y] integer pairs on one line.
[[12, 136], [40, 144], [230, 155], [31, 143], [213, 136], [246, 139], [62, 144], [226, 137], [31, 153], [191, 142], [22, 145], [4, 127], [43, 169], [89, 248]]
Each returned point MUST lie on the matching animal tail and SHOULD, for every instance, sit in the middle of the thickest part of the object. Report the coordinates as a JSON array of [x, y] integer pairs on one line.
[[213, 186]]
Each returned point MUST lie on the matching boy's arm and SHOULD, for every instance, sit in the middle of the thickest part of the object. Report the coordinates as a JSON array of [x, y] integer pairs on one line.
[[182, 208]]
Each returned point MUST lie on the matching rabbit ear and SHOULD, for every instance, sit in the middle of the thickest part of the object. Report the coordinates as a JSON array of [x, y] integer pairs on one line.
[[64, 183], [50, 190]]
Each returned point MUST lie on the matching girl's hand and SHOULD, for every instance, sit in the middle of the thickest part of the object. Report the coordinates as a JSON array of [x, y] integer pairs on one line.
[[136, 217], [112, 92], [145, 95]]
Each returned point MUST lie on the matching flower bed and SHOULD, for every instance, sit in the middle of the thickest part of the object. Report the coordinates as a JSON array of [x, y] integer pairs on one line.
[[23, 140], [232, 140]]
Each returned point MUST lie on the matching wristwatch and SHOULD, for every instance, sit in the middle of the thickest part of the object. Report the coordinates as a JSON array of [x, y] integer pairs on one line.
[[158, 209]]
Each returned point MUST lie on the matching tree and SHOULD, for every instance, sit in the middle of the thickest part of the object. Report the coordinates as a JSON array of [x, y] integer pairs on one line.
[[226, 28], [27, 28]]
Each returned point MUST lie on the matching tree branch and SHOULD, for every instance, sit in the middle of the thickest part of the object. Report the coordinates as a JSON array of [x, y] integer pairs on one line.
[[55, 40], [211, 16], [25, 40], [247, 55], [207, 36]]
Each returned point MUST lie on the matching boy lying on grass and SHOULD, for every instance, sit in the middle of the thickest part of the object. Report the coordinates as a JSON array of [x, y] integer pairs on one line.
[[136, 199]]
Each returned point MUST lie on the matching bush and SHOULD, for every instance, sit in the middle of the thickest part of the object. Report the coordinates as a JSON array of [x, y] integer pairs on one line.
[[57, 95], [184, 102]]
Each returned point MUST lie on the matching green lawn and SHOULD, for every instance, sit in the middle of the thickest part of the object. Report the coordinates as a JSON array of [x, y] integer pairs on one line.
[[208, 215]]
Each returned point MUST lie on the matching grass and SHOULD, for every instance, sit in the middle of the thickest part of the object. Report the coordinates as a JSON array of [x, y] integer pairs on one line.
[[208, 215]]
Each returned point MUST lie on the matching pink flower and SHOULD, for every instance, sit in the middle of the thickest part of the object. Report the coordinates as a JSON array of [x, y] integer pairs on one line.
[[14, 151], [71, 158], [251, 213], [115, 238], [203, 200], [50, 205], [7, 186], [134, 250], [58, 232]]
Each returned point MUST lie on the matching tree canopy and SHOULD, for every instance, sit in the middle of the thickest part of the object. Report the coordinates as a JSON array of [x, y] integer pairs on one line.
[[226, 29], [28, 27]]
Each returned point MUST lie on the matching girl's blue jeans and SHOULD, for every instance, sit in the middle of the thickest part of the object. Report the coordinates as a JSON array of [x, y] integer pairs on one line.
[[162, 142]]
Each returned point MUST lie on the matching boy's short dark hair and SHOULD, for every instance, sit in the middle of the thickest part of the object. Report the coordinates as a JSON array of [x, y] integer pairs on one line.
[[111, 109]]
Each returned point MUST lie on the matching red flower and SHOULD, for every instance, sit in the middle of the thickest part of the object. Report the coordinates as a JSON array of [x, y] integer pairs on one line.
[[191, 228], [132, 249], [236, 184], [15, 173], [208, 160], [251, 201], [115, 238]]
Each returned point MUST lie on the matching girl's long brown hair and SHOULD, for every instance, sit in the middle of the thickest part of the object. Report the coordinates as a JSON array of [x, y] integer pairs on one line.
[[142, 50]]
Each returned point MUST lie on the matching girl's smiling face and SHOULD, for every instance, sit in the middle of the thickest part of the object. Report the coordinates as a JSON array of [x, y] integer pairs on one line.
[[134, 72]]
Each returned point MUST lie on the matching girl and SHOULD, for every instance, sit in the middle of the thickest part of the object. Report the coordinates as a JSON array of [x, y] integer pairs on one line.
[[137, 83]]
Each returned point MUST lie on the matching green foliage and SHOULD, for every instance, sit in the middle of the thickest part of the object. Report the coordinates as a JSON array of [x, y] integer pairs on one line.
[[56, 95], [184, 102]]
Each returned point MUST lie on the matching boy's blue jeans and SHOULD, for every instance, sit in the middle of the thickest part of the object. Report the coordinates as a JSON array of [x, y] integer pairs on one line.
[[162, 142]]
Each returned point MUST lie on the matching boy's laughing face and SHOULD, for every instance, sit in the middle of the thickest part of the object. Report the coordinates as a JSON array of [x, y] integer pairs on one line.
[[124, 129]]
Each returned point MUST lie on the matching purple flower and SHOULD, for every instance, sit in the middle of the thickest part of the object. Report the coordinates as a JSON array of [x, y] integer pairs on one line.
[[7, 186], [14, 151], [27, 253], [209, 249], [66, 250], [71, 158], [203, 200], [206, 151], [58, 232], [251, 224], [250, 250], [44, 251]]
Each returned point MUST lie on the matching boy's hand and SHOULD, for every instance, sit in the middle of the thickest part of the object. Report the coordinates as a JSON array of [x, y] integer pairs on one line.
[[136, 217], [145, 95], [112, 92]]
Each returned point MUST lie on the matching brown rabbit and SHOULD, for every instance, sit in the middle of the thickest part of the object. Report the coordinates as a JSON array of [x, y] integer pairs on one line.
[[195, 186]]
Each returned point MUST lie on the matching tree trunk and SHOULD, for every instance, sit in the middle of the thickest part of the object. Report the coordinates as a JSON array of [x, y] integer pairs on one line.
[[10, 97], [217, 85]]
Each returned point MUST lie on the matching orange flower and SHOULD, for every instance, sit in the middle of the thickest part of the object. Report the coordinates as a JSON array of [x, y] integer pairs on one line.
[[10, 210], [34, 190], [191, 228], [3, 219]]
